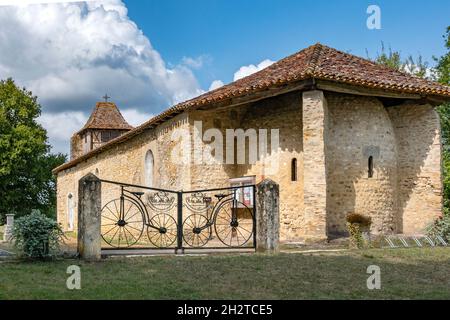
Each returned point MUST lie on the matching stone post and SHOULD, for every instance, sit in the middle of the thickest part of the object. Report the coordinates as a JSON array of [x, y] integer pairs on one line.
[[267, 216], [89, 218], [315, 128], [9, 227]]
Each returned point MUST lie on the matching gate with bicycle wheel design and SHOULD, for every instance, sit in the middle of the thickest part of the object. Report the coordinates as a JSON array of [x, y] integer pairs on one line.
[[141, 217]]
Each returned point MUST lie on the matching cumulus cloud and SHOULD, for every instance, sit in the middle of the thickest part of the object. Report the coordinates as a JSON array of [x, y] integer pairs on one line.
[[136, 117], [70, 54], [26, 2], [215, 85], [61, 126], [245, 71], [197, 62]]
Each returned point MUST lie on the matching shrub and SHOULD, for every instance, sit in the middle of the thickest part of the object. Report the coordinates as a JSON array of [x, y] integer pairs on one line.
[[363, 221], [441, 227], [37, 236], [356, 223]]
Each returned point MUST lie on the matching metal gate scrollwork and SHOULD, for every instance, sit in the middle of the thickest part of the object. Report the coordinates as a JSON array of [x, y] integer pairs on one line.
[[157, 218]]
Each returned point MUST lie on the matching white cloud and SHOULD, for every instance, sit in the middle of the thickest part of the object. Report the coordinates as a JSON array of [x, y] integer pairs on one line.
[[27, 2], [136, 117], [71, 54], [61, 126], [215, 85], [430, 73], [245, 71], [197, 62]]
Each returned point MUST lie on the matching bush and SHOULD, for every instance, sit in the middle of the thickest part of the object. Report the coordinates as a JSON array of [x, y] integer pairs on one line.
[[441, 227], [363, 221], [37, 236], [356, 224]]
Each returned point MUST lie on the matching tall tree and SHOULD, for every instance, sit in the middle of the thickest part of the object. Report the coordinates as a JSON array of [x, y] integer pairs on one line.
[[442, 72], [26, 181], [443, 63]]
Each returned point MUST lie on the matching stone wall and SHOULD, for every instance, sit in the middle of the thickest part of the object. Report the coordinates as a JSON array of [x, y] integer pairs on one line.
[[405, 192], [417, 128], [207, 169], [76, 146], [125, 163], [360, 128], [330, 135], [285, 114], [316, 127]]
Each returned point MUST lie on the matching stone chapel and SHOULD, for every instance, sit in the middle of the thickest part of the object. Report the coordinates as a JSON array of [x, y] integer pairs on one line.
[[354, 137]]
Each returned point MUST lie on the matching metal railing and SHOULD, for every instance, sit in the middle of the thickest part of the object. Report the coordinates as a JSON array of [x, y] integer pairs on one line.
[[135, 216]]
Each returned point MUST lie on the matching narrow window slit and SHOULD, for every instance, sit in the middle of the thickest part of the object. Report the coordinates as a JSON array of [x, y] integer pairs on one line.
[[370, 167], [294, 170]]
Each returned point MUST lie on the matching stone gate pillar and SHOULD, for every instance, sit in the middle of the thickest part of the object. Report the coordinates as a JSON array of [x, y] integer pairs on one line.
[[9, 227], [89, 218], [267, 216], [315, 127]]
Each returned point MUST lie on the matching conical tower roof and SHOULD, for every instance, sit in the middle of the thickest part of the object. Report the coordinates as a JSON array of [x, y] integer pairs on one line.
[[106, 116]]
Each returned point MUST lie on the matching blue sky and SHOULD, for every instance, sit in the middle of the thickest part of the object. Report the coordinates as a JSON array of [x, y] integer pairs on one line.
[[151, 54], [233, 33]]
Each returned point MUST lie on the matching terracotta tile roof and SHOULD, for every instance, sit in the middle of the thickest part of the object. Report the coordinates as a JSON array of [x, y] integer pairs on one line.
[[106, 115], [315, 62], [325, 63]]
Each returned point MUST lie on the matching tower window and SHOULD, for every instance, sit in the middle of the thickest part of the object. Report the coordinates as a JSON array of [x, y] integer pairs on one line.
[[370, 167], [105, 136], [294, 170]]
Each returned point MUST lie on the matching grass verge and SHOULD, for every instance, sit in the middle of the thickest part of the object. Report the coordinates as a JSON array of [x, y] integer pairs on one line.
[[405, 274]]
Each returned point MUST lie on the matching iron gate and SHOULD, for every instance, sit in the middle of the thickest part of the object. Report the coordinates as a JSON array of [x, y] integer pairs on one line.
[[141, 217]]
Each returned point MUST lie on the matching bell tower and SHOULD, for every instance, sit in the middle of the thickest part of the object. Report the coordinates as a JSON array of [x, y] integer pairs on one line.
[[106, 123]]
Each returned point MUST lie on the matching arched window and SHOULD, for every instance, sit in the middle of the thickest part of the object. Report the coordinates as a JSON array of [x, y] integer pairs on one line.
[[149, 164], [294, 170], [370, 165], [70, 212]]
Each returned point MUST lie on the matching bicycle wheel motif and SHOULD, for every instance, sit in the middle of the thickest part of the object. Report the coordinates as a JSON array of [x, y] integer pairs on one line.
[[121, 228], [194, 232], [162, 230], [237, 231]]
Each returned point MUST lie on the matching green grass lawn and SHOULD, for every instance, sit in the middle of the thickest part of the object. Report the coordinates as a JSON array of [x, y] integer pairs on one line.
[[405, 274]]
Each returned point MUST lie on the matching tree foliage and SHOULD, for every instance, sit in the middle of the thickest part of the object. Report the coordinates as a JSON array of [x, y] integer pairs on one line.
[[26, 181], [37, 236], [443, 63], [442, 71], [393, 59]]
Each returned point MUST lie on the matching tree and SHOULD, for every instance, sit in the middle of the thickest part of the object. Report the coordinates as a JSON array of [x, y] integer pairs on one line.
[[394, 60], [442, 71], [26, 181], [390, 59], [443, 63]]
